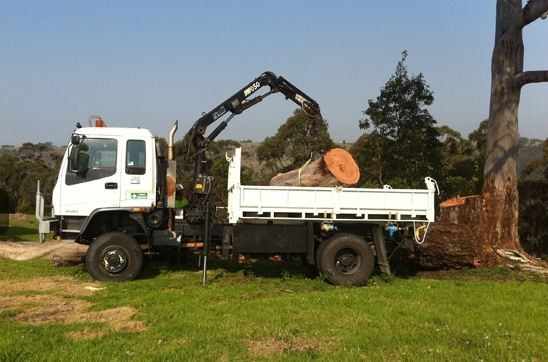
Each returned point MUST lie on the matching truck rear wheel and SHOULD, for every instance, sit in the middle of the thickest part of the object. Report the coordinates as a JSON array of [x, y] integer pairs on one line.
[[346, 259], [114, 256]]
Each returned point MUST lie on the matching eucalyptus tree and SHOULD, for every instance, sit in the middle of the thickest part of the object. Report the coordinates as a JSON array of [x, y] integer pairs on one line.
[[498, 224]]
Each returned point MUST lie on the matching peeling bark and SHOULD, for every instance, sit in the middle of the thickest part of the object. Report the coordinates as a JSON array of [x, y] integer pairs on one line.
[[498, 227]]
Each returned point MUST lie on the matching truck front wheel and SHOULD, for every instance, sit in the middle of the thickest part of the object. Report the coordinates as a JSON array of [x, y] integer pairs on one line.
[[346, 259], [114, 256]]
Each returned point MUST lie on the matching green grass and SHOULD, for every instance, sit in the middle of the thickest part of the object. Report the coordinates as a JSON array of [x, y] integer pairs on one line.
[[266, 311]]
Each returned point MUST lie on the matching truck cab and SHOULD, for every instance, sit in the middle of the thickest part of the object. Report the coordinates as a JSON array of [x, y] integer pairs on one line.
[[105, 169]]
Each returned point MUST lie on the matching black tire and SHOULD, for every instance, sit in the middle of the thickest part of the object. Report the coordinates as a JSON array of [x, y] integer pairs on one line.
[[319, 251], [114, 256], [346, 259]]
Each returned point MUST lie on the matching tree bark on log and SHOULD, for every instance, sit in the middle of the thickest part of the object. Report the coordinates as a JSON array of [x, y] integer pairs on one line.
[[448, 246], [335, 168]]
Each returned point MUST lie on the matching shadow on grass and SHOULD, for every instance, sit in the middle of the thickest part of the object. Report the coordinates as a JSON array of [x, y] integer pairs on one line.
[[401, 267], [405, 269], [254, 267]]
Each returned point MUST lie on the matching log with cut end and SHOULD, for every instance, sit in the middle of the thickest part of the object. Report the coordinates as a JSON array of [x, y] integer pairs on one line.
[[335, 168]]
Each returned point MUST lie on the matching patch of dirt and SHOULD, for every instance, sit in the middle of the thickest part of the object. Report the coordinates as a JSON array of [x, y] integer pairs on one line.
[[59, 285], [62, 305], [269, 346], [52, 309], [62, 251], [70, 311], [87, 333], [266, 347]]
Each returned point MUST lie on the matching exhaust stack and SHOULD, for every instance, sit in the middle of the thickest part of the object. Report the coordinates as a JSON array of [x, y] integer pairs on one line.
[[171, 180], [170, 140]]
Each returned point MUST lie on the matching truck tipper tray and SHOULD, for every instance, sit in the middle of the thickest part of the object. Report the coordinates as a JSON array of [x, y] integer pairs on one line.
[[326, 203]]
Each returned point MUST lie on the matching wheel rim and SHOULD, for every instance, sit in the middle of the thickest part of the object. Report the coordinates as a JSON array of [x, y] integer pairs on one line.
[[114, 259], [347, 261]]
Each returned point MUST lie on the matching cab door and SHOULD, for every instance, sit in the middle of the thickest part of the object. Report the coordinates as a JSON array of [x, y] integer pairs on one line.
[[96, 184]]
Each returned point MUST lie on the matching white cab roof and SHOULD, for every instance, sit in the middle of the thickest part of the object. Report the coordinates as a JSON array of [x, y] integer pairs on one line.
[[115, 132]]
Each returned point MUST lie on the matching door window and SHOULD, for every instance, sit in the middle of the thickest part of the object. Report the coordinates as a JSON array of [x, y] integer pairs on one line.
[[135, 157]]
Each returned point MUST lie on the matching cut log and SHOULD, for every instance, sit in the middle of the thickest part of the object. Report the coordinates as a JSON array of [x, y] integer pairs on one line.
[[335, 168], [451, 241], [450, 246]]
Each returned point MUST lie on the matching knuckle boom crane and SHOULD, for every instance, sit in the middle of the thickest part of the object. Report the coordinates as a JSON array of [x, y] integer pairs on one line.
[[241, 101]]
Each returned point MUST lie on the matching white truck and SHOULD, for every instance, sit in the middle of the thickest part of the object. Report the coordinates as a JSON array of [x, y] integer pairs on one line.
[[116, 192]]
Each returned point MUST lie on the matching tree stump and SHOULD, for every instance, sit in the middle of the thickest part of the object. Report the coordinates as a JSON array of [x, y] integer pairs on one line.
[[335, 168]]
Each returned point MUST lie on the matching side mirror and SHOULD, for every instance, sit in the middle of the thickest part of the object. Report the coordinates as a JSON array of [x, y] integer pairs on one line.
[[78, 160], [75, 139]]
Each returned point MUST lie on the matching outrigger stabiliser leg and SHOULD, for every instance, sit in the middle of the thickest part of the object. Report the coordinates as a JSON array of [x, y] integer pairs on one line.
[[207, 241]]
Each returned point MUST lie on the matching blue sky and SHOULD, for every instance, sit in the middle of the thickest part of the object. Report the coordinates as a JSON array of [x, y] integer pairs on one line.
[[147, 63]]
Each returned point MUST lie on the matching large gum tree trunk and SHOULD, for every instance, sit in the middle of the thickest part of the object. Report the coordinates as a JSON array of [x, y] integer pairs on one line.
[[498, 224], [492, 217]]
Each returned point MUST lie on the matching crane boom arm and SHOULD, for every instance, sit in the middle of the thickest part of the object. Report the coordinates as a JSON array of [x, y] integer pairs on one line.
[[241, 101]]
